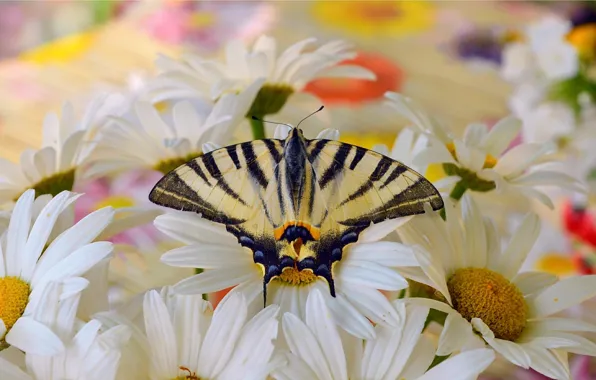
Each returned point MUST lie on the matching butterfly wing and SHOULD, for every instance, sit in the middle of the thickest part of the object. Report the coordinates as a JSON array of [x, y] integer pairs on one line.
[[357, 187], [236, 186]]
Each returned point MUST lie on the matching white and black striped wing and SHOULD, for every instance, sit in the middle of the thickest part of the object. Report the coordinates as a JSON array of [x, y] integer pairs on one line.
[[362, 186], [231, 185]]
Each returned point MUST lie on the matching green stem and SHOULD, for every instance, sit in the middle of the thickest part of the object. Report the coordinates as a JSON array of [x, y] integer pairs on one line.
[[258, 129], [458, 191]]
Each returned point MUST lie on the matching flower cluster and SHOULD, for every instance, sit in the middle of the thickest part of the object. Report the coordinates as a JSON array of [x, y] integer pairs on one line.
[[432, 296]]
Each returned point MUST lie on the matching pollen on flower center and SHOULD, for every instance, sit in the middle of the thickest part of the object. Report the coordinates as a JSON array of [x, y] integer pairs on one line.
[[482, 293], [270, 99], [14, 294], [295, 277], [167, 166]]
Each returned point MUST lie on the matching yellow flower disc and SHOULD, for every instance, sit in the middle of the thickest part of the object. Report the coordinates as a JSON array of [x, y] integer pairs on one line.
[[14, 295], [482, 293]]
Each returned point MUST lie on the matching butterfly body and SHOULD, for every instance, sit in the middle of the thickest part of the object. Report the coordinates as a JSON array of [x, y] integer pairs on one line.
[[296, 203]]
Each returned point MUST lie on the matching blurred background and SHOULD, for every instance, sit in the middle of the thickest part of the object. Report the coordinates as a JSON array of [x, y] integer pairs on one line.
[[446, 55], [442, 53]]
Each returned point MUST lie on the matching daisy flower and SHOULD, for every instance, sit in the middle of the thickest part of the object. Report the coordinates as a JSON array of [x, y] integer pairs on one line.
[[545, 54], [88, 352], [30, 261], [480, 159], [65, 148], [149, 142], [317, 351], [270, 80], [181, 337], [366, 266], [481, 289]]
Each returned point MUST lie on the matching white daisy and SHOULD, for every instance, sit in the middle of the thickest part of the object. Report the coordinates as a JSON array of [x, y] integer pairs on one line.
[[181, 337], [87, 353], [545, 55], [65, 148], [269, 78], [150, 142], [30, 261], [481, 160], [317, 351], [479, 286], [366, 266]]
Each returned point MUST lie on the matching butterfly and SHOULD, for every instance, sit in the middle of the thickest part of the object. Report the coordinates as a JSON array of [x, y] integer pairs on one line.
[[296, 203]]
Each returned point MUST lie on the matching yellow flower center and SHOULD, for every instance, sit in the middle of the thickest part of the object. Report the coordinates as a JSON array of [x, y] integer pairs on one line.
[[294, 277], [14, 294], [167, 166], [269, 100], [482, 293], [116, 201]]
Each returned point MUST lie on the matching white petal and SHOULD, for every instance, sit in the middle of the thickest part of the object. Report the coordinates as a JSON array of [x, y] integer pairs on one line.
[[161, 336], [34, 338], [378, 231], [560, 324], [520, 157], [348, 317], [77, 264], [372, 275], [209, 147], [385, 253], [411, 334], [467, 365], [510, 350], [420, 359], [531, 282], [474, 134], [347, 71], [434, 272], [562, 295], [456, 333], [40, 232], [190, 229], [206, 256], [295, 369], [372, 303], [304, 344], [226, 326], [547, 364], [282, 131], [213, 280], [320, 322], [85, 231], [521, 243], [328, 134], [500, 135], [17, 233]]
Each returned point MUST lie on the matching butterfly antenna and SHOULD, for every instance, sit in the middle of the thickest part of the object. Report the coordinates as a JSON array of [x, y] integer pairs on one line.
[[271, 122], [319, 110]]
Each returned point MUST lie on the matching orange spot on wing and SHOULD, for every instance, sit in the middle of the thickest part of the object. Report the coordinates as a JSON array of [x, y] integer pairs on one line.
[[314, 231]]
